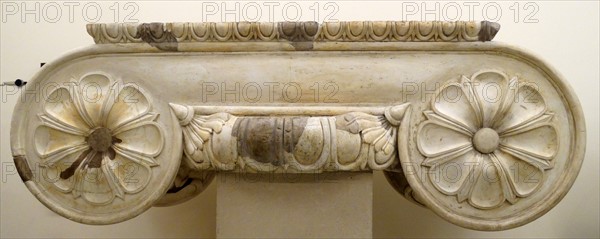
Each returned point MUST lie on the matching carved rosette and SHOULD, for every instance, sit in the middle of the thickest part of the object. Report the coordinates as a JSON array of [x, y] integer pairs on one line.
[[94, 134], [493, 128], [353, 141]]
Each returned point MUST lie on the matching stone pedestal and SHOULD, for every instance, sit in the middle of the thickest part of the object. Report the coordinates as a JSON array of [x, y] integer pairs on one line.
[[331, 205]]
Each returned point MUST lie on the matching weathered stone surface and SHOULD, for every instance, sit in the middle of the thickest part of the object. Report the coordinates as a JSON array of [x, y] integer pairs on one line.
[[487, 136]]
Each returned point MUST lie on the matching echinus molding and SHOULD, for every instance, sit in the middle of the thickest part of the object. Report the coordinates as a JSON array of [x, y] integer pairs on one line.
[[486, 135]]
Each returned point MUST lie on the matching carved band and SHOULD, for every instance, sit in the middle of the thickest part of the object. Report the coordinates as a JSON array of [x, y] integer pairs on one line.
[[169, 34], [352, 141]]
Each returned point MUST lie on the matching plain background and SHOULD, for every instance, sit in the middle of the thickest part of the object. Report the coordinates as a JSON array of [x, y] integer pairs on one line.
[[565, 36]]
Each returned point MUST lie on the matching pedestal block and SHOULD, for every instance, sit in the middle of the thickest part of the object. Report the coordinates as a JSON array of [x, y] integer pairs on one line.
[[330, 205]]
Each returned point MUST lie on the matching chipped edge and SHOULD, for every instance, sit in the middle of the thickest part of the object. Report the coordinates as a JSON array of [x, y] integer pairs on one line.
[[23, 168], [488, 30], [157, 36]]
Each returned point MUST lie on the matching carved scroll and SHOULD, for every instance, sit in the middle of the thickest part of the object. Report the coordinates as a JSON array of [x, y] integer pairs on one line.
[[353, 141]]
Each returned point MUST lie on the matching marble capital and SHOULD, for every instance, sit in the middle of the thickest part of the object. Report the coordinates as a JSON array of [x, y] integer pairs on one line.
[[486, 135]]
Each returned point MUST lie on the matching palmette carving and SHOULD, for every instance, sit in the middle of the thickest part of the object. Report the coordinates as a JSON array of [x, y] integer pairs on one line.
[[93, 139], [197, 131], [503, 142], [354, 141]]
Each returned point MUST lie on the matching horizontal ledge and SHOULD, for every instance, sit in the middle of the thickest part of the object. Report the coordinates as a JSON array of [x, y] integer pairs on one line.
[[256, 47], [288, 110], [168, 35]]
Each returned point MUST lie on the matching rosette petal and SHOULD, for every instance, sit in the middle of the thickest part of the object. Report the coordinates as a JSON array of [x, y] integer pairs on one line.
[[438, 136], [525, 106], [95, 187], [54, 145], [95, 98], [490, 89], [112, 178], [56, 173], [524, 178], [451, 174], [60, 112], [134, 137], [535, 142], [453, 102], [89, 97], [130, 104], [487, 192], [130, 175]]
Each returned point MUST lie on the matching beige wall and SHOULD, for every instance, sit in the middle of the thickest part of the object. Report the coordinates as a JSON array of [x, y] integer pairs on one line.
[[566, 36]]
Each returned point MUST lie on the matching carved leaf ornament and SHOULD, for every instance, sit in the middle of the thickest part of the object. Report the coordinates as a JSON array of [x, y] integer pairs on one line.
[[352, 141]]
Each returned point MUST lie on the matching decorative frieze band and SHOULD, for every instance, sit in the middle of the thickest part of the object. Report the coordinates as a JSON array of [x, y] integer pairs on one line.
[[253, 141], [358, 31]]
